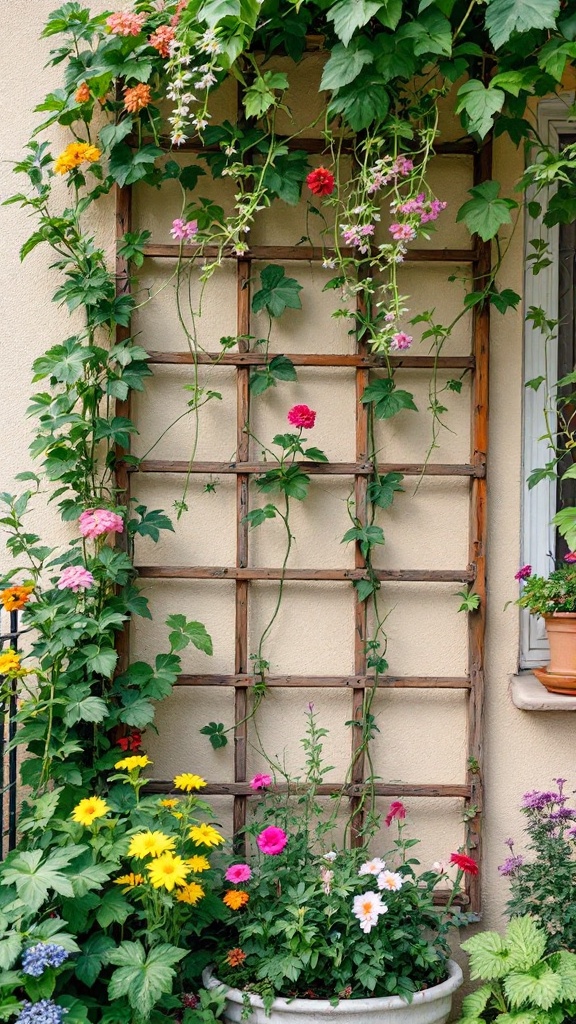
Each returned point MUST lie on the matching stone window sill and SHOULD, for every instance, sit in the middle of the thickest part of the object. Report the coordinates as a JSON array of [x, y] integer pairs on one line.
[[529, 695]]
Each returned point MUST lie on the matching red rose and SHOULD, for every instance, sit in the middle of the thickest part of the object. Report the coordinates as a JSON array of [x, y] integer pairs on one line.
[[465, 863], [321, 182]]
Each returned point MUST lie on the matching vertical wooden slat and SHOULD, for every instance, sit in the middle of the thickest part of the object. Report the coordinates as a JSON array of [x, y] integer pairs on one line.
[[242, 479], [477, 544], [123, 198]]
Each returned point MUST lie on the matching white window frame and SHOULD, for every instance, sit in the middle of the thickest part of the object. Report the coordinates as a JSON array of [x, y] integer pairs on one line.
[[539, 503]]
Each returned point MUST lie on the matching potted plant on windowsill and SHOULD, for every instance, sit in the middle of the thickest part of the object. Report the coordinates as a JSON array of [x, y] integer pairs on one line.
[[318, 932], [554, 598]]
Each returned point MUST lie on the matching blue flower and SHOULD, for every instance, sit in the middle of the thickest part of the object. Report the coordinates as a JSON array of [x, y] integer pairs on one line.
[[44, 954], [46, 1011]]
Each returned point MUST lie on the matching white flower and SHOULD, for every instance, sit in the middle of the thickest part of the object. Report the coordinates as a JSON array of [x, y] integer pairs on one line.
[[372, 867], [367, 908], [439, 867], [390, 880], [328, 264], [326, 877], [330, 856]]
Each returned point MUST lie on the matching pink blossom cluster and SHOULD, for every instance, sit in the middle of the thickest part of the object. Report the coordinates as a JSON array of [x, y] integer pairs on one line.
[[125, 23], [174, 20], [386, 170], [425, 209], [75, 577], [184, 231], [96, 521], [402, 232], [400, 341], [357, 235]]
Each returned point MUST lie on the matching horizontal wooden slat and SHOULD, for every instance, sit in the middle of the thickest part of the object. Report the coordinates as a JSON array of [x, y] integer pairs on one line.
[[312, 359], [313, 468], [326, 789], [460, 147], [320, 682], [214, 572], [308, 253]]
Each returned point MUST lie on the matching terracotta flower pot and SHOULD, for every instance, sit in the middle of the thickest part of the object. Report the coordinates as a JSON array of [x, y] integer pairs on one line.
[[430, 1006], [559, 676]]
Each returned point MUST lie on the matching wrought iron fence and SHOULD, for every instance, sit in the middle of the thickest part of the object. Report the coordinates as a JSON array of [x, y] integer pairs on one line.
[[8, 758]]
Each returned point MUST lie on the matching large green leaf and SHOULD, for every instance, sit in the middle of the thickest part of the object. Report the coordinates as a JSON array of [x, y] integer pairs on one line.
[[387, 399], [479, 105], [485, 213], [364, 102], [541, 986], [503, 17], [348, 15], [344, 65], [277, 292], [34, 878], [143, 979], [184, 632], [488, 956], [89, 963], [526, 943]]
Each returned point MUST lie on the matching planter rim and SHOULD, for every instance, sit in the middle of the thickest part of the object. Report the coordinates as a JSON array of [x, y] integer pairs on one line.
[[560, 615], [281, 1005]]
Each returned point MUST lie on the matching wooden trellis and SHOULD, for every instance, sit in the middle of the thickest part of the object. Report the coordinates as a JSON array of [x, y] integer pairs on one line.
[[241, 680]]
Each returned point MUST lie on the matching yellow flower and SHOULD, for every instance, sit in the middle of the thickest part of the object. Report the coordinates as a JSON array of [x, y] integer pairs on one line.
[[187, 781], [14, 598], [89, 809], [177, 814], [130, 881], [137, 761], [235, 898], [74, 155], [150, 844], [168, 803], [167, 871], [10, 665], [205, 835], [190, 893], [198, 863]]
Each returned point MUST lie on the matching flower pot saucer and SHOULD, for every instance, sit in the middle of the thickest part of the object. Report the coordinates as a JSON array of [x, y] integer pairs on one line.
[[556, 683]]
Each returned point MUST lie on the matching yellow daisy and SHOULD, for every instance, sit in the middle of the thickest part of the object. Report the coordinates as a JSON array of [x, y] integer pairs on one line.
[[198, 863], [190, 893], [187, 781], [205, 835], [130, 881], [137, 761], [167, 871], [168, 803], [150, 844], [89, 809]]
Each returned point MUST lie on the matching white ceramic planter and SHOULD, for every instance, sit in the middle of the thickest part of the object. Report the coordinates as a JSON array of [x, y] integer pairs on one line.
[[431, 1006]]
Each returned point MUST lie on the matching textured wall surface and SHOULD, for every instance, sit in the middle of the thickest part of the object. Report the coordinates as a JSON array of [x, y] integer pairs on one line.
[[422, 734]]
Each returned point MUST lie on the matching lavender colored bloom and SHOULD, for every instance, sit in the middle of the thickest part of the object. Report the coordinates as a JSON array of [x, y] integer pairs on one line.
[[570, 833], [537, 799], [510, 865], [44, 954], [562, 814], [46, 1011], [510, 843]]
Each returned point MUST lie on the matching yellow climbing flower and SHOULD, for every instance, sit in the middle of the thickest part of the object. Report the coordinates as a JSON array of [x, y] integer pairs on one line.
[[136, 761], [129, 881], [187, 781], [190, 893], [167, 871], [169, 803], [205, 835], [198, 863], [74, 155], [150, 844], [89, 809]]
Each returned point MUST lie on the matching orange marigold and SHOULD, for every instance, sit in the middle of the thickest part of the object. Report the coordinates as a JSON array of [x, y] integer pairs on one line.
[[235, 957], [14, 598], [161, 39], [74, 155], [136, 98], [235, 898], [82, 94]]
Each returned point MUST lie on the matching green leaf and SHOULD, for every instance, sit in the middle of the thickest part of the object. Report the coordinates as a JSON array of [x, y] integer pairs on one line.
[[35, 878], [504, 300], [382, 491], [10, 948], [128, 166], [189, 176], [101, 660], [260, 515], [112, 134], [364, 588], [432, 33], [488, 956], [534, 383], [285, 175], [113, 908], [364, 102], [216, 734], [526, 943], [347, 16], [277, 292], [388, 401], [185, 632], [89, 964], [503, 17], [542, 987], [143, 979], [64, 362], [260, 96], [479, 105], [344, 65], [87, 709], [485, 213], [475, 1004]]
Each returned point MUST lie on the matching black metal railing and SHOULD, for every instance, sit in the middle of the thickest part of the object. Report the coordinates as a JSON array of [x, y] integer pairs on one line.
[[8, 753]]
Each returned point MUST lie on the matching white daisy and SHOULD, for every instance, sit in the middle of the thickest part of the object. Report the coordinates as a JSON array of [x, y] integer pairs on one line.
[[390, 880], [372, 867], [368, 907]]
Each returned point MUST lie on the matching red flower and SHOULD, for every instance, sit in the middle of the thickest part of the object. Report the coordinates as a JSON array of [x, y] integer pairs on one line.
[[321, 182], [570, 557], [302, 416], [465, 863], [131, 742], [523, 573], [396, 810]]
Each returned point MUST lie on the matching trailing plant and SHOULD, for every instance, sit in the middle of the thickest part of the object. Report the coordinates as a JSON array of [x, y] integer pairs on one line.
[[545, 595]]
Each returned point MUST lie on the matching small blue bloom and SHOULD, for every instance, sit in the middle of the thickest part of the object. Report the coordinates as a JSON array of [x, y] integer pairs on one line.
[[44, 954], [46, 1011]]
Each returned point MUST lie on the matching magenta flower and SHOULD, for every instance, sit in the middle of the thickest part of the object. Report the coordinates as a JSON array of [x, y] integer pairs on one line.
[[260, 781], [402, 232], [396, 810], [96, 521], [75, 577], [400, 341], [184, 231], [238, 873], [570, 557], [402, 165], [272, 840], [523, 573], [302, 416]]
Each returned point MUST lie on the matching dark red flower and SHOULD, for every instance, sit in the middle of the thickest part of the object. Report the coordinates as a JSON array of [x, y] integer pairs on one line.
[[570, 557], [465, 863], [131, 742], [396, 810], [523, 573], [321, 182], [302, 416]]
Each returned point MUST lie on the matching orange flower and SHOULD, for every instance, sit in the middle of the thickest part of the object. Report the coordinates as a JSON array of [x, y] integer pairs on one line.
[[235, 957], [137, 98], [74, 155], [82, 94], [161, 39], [14, 598], [235, 898]]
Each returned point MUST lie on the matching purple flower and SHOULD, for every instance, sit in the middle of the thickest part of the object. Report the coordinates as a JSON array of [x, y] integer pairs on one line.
[[400, 341], [510, 843], [570, 833], [563, 814], [182, 231], [510, 865], [537, 799], [523, 573]]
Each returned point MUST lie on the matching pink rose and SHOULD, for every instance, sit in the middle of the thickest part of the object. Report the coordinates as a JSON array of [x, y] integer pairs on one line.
[[272, 840], [238, 873], [75, 578], [260, 781], [302, 416], [96, 521]]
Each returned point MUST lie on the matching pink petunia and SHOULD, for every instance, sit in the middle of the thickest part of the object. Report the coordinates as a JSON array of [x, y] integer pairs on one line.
[[96, 521], [184, 231], [75, 577], [124, 23], [523, 573], [272, 840], [400, 341], [260, 781], [396, 810], [238, 873], [302, 416]]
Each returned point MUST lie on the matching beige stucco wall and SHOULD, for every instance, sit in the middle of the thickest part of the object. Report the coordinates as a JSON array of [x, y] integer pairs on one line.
[[422, 734]]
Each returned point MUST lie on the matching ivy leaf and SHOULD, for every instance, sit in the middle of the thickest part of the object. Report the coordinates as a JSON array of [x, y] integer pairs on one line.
[[261, 95], [366, 537], [279, 368], [277, 292], [128, 166], [432, 33], [344, 65], [112, 134], [184, 633], [503, 17], [291, 481], [315, 455], [364, 588], [142, 979], [506, 299], [63, 362], [86, 709], [215, 733], [10, 950], [34, 877], [347, 17], [382, 492], [284, 177], [388, 401], [479, 106], [364, 102], [260, 515], [150, 523], [189, 176], [485, 213], [113, 908], [474, 1004]]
